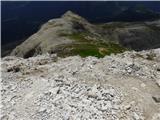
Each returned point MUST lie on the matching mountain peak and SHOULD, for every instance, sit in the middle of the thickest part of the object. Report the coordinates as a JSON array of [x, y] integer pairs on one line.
[[70, 14]]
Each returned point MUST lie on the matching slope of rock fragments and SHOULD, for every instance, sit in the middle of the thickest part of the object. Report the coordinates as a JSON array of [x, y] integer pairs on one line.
[[117, 87]]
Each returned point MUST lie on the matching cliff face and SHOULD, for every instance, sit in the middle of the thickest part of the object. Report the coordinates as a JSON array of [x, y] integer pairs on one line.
[[123, 86], [73, 35]]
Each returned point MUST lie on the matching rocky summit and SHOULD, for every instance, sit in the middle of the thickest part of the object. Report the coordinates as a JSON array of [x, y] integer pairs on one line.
[[72, 35], [125, 86]]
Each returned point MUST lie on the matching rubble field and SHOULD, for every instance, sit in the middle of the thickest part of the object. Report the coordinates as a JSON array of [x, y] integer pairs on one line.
[[125, 86]]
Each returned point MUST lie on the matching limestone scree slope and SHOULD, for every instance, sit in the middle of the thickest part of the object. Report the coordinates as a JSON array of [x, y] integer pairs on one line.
[[125, 86]]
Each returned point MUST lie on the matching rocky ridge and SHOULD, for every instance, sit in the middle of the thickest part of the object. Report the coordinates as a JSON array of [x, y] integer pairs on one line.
[[66, 35], [52, 34], [125, 86]]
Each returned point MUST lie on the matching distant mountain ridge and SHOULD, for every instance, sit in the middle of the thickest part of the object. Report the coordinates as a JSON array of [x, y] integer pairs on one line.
[[137, 13], [27, 16], [71, 34]]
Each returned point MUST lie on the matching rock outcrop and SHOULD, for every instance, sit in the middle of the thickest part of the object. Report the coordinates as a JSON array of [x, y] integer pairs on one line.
[[116, 87]]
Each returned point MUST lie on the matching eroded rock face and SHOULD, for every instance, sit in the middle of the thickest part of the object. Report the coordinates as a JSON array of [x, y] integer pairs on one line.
[[47, 87]]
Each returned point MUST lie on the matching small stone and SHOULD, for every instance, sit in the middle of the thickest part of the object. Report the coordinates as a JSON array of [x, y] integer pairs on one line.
[[134, 88], [55, 90], [28, 96], [136, 116], [158, 69], [156, 98], [143, 85], [156, 116], [158, 82], [42, 110], [4, 117], [14, 69], [129, 71], [127, 107]]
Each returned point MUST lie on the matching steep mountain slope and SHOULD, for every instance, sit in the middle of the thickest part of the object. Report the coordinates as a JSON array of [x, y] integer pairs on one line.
[[135, 35], [117, 87], [68, 35], [73, 35]]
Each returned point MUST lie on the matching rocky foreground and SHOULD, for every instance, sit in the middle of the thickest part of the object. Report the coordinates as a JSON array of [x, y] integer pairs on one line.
[[117, 87]]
